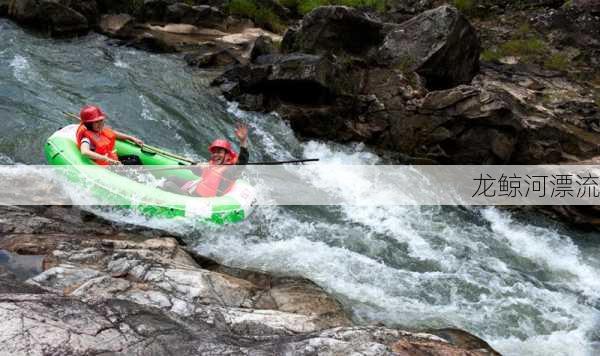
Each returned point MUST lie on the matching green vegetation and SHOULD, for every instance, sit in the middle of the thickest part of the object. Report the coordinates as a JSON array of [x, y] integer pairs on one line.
[[262, 16], [405, 64], [303, 7], [490, 55], [467, 7], [567, 4], [527, 45], [527, 49], [557, 61]]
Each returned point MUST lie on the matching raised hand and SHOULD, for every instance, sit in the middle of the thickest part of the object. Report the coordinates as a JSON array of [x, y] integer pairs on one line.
[[241, 132]]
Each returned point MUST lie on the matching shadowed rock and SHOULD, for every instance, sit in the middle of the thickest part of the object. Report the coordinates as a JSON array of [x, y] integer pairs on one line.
[[334, 29], [440, 44], [201, 16], [58, 18]]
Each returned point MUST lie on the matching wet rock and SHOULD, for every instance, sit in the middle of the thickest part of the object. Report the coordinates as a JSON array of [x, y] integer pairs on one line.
[[263, 45], [58, 18], [463, 339], [334, 29], [217, 58], [440, 44], [118, 26], [59, 325], [88, 8], [152, 42], [158, 273]]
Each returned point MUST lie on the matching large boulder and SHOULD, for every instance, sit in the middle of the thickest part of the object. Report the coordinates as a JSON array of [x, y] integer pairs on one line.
[[439, 44], [296, 78], [57, 17], [334, 29]]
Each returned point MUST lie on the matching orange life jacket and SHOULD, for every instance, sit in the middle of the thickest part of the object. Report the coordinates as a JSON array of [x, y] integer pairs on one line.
[[213, 175], [103, 142]]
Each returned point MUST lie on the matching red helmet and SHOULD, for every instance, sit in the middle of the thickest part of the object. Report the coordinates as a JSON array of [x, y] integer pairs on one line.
[[220, 143], [91, 113]]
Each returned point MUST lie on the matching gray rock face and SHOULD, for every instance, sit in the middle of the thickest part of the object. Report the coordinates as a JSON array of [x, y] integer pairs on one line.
[[37, 324], [159, 274], [440, 44], [57, 17], [334, 29], [101, 294]]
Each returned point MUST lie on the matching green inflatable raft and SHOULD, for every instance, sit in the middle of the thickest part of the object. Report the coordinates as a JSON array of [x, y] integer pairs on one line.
[[110, 188]]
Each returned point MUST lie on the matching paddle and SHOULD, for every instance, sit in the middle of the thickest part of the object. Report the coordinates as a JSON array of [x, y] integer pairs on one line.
[[295, 161], [192, 162]]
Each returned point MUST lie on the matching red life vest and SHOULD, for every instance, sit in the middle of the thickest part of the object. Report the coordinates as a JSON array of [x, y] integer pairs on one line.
[[213, 175], [103, 142]]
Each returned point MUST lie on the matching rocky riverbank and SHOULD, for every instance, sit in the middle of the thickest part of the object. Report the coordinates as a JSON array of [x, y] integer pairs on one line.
[[113, 288]]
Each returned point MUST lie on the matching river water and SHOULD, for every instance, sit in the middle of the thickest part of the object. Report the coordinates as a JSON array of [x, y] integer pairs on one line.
[[526, 285]]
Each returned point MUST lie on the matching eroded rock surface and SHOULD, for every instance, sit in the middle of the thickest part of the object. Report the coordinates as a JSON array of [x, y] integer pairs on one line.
[[103, 292]]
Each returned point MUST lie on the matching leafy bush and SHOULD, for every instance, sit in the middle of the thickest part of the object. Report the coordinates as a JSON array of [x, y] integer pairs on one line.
[[467, 7], [242, 8], [490, 55], [262, 16], [557, 61], [524, 48], [303, 7]]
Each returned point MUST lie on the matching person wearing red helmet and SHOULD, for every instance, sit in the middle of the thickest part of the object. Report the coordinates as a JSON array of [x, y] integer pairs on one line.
[[97, 141], [217, 177]]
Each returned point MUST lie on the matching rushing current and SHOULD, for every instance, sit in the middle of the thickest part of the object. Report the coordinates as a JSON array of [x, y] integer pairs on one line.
[[524, 284]]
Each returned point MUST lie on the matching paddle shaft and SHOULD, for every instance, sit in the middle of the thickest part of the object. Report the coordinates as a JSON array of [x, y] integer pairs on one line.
[[269, 163]]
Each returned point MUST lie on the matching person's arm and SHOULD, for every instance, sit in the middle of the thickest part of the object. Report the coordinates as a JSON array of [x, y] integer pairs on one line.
[[243, 156], [124, 137], [86, 151], [241, 132]]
